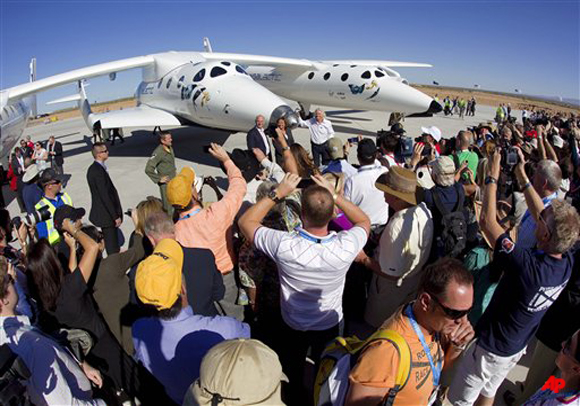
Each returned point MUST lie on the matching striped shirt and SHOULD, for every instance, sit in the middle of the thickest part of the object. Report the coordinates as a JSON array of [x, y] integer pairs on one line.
[[312, 273]]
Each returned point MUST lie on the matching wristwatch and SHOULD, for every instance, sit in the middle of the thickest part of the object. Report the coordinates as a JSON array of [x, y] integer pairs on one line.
[[490, 179], [285, 148], [274, 196]]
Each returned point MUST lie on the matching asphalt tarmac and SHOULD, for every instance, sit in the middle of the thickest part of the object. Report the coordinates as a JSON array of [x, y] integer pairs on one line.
[[126, 163]]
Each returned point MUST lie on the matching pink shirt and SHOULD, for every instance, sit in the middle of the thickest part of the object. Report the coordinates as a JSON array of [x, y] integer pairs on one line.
[[211, 227]]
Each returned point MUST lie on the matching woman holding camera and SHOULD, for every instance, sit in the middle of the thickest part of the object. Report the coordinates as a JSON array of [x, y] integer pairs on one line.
[[65, 302]]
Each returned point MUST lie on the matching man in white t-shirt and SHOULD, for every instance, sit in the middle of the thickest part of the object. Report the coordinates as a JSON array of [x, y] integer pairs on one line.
[[404, 247], [320, 132], [312, 264], [360, 188]]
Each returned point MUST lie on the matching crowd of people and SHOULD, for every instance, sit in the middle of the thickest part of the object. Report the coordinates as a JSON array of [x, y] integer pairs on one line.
[[446, 255]]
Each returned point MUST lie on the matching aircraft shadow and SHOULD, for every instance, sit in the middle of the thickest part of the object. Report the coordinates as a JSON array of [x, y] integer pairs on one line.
[[334, 118], [337, 112], [356, 131], [188, 143]]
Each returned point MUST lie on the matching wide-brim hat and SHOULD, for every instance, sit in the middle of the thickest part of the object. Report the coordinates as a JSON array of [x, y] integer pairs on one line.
[[399, 182], [30, 173]]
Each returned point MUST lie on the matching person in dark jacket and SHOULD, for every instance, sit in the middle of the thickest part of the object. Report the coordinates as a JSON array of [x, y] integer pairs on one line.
[[257, 137], [55, 155], [106, 211]]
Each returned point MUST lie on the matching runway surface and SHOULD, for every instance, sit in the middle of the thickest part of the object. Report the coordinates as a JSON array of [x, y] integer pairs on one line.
[[126, 163]]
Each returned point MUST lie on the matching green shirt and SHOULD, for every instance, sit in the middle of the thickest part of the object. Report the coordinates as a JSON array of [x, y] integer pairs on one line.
[[161, 163], [472, 161]]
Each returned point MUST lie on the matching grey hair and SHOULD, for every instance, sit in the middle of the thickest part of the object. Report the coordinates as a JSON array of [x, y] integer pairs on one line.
[[565, 228], [158, 225], [265, 188], [322, 111], [550, 172]]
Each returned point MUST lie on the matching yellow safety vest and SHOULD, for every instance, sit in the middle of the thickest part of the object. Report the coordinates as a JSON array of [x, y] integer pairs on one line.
[[53, 234]]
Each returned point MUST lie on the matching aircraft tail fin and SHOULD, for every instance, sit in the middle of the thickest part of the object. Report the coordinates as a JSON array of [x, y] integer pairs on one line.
[[207, 45], [84, 105], [32, 66]]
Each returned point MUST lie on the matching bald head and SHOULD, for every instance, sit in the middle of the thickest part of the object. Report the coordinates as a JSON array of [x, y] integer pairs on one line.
[[464, 138], [317, 206]]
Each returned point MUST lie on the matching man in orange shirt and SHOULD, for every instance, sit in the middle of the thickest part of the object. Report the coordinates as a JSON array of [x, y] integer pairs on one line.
[[211, 227], [435, 327]]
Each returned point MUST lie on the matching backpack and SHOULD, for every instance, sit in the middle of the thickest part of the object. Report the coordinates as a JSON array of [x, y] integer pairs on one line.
[[452, 240], [340, 356], [13, 376]]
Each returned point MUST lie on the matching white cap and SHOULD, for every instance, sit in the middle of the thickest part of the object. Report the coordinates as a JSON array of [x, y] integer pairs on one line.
[[433, 132]]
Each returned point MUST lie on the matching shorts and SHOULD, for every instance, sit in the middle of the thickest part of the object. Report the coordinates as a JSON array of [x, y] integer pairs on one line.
[[479, 372]]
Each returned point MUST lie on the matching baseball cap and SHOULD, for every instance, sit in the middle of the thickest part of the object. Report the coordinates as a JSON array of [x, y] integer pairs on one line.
[[179, 188], [158, 278], [443, 169], [367, 148], [433, 132], [49, 175], [67, 212], [335, 148], [240, 372]]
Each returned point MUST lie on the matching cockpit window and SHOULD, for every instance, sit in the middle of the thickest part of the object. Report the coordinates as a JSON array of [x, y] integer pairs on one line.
[[160, 83], [226, 63], [217, 71], [199, 76], [168, 83], [180, 82], [366, 75], [240, 69], [379, 74]]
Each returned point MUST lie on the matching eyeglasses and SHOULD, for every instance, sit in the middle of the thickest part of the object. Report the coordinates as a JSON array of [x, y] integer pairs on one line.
[[104, 151], [451, 313]]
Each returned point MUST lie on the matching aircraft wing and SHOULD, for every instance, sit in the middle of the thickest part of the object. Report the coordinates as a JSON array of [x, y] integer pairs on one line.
[[142, 116], [388, 64], [258, 60], [20, 91]]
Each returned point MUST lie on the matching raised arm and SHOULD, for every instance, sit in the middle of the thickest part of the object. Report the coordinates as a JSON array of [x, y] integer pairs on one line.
[[289, 163], [488, 222], [90, 247], [533, 200]]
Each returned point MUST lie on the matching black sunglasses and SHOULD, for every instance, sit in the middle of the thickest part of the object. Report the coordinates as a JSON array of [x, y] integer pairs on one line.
[[451, 313]]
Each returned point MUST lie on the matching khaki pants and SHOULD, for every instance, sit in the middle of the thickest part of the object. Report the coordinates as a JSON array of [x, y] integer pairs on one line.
[[166, 206], [542, 367]]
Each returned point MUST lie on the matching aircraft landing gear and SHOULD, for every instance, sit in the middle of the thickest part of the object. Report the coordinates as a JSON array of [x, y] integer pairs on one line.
[[305, 112]]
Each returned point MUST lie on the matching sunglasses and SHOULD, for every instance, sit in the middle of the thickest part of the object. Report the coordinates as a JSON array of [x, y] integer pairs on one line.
[[451, 313]]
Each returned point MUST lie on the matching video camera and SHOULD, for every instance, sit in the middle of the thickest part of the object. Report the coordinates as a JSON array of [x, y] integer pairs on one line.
[[401, 145]]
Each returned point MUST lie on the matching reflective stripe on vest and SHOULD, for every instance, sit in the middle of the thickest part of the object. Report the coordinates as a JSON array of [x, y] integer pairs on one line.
[[53, 234]]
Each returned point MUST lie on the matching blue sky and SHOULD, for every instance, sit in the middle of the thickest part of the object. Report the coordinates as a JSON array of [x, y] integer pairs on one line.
[[500, 45]]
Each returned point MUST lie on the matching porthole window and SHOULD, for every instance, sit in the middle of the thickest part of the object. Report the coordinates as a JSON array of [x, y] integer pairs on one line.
[[160, 83], [379, 74], [226, 63], [310, 75], [168, 83], [326, 76], [344, 77], [366, 75], [199, 76], [180, 82], [217, 71]]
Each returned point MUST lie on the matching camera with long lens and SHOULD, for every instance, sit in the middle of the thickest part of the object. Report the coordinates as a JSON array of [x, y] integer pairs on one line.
[[509, 158], [38, 216], [402, 145]]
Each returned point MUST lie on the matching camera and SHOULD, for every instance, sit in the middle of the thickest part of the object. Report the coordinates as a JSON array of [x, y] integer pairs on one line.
[[398, 144], [38, 216], [16, 222], [129, 212], [509, 158]]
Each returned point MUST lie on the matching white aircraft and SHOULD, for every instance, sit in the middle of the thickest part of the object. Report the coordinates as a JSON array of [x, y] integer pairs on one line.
[[15, 114], [215, 90]]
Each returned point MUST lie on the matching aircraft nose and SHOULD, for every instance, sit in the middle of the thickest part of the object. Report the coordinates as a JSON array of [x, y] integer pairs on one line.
[[434, 108], [286, 113]]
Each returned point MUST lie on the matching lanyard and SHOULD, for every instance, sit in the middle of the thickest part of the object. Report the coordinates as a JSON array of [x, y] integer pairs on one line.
[[308, 237], [193, 213], [417, 329], [549, 395]]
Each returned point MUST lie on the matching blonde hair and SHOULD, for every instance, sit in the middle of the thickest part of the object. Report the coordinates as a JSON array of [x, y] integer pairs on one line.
[[565, 228], [144, 209]]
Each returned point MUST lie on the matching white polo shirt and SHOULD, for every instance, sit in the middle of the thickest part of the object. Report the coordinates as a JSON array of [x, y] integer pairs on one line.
[[360, 189], [319, 132], [312, 273]]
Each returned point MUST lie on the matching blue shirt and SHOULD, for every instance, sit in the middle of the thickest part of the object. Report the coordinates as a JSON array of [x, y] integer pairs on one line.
[[172, 350], [41, 228], [531, 283], [31, 194], [527, 228], [340, 166]]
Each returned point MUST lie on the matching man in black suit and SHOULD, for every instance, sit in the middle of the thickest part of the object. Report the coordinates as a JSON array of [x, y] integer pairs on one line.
[[55, 155], [17, 164], [257, 138], [106, 211]]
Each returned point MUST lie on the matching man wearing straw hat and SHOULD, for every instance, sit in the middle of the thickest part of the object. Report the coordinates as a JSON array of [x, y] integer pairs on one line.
[[404, 247]]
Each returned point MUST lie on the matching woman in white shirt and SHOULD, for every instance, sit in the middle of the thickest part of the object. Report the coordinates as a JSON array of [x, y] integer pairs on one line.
[[40, 156]]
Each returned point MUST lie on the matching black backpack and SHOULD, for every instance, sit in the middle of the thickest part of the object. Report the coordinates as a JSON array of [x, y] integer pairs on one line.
[[13, 374], [452, 240]]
